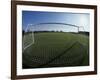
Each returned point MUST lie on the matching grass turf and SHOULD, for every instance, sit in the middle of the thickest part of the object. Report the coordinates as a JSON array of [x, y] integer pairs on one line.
[[57, 49]]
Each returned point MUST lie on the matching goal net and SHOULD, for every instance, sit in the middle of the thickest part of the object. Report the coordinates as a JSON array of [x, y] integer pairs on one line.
[[28, 37], [31, 29]]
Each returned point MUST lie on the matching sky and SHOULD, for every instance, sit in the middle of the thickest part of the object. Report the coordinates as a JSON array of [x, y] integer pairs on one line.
[[36, 17]]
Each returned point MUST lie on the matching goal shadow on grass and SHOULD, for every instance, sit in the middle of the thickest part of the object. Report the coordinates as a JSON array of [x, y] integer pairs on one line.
[[80, 58]]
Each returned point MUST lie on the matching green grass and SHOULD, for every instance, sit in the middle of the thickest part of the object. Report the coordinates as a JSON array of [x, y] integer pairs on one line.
[[57, 49]]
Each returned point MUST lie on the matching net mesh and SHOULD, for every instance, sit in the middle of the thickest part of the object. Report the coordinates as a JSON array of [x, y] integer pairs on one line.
[[28, 36]]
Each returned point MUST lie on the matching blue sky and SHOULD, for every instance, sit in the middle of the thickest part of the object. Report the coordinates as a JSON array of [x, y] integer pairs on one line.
[[35, 17]]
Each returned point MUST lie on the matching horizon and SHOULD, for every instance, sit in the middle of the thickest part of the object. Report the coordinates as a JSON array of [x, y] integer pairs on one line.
[[37, 17]]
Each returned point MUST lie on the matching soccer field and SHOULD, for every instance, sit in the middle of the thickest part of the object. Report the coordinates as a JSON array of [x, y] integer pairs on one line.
[[56, 49]]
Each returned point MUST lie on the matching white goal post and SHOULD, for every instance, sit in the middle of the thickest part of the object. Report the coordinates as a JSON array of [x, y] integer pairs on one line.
[[28, 36]]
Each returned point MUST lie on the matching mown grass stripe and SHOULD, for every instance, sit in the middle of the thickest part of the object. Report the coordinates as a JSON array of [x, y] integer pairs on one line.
[[56, 57]]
